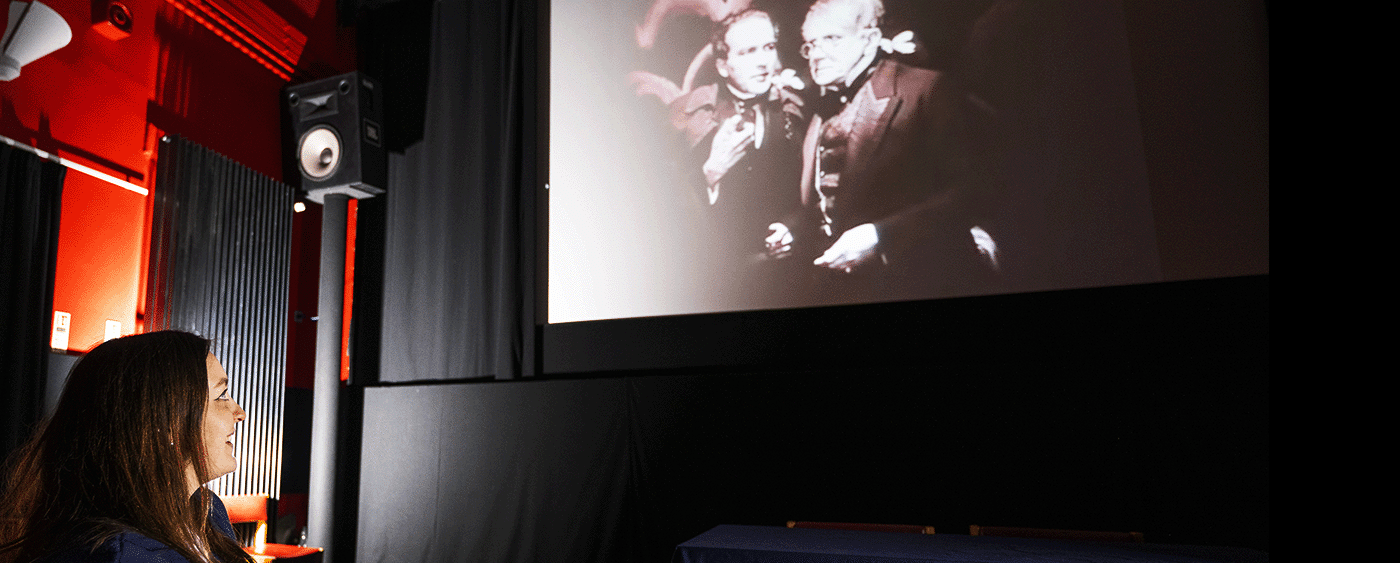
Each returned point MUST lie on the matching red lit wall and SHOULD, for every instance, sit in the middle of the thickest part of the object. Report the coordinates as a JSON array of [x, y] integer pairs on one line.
[[105, 103], [100, 264]]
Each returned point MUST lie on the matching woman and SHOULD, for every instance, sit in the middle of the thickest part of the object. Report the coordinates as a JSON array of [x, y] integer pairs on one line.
[[117, 473]]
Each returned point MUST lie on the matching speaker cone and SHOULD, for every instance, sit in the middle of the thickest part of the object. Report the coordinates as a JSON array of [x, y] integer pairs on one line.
[[319, 152]]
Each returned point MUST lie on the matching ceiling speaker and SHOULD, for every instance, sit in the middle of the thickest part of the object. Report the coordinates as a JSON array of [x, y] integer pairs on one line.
[[35, 30], [319, 152]]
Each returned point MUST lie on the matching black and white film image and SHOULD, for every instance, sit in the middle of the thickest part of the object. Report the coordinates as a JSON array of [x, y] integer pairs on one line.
[[731, 155]]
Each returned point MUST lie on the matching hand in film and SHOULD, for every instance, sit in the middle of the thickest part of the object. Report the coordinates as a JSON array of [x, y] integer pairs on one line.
[[852, 249], [779, 241], [732, 140]]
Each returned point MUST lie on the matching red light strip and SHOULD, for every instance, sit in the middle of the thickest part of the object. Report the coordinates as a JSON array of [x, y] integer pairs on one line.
[[238, 28], [352, 212], [265, 25], [211, 26]]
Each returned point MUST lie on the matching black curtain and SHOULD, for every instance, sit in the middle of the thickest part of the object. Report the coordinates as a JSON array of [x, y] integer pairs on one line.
[[33, 197], [1143, 408], [458, 245]]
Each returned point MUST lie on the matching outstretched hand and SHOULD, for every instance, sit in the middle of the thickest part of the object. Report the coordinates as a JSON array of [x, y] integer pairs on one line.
[[852, 249]]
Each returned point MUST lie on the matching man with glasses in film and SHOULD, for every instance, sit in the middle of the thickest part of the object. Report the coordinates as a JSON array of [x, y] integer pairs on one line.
[[887, 191], [742, 137]]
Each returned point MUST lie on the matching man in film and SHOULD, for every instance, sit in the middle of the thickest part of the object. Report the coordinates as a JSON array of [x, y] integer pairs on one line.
[[887, 190], [741, 138]]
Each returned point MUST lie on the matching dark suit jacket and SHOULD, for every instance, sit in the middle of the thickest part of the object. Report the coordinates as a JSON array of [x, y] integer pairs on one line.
[[759, 189], [727, 235], [907, 172]]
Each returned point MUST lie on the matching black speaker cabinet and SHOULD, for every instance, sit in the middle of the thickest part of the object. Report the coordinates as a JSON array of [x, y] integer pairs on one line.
[[339, 140]]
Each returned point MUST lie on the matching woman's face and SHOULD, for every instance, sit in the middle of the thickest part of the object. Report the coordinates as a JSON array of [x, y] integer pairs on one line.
[[220, 417]]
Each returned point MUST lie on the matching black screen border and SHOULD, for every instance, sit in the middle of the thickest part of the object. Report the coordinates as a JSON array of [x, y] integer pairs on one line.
[[1191, 311]]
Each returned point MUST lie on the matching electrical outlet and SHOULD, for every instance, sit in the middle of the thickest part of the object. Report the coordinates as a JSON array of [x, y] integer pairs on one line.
[[61, 323], [114, 330]]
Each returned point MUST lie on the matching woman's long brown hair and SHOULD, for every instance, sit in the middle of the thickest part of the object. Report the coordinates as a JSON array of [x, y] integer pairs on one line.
[[113, 456]]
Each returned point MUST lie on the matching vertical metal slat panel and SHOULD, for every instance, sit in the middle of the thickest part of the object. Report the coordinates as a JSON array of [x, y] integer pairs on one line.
[[219, 267]]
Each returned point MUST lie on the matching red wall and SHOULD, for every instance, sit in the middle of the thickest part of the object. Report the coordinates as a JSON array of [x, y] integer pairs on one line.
[[105, 103], [100, 258]]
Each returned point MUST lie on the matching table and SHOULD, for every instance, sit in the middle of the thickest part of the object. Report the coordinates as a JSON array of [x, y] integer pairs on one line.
[[774, 544]]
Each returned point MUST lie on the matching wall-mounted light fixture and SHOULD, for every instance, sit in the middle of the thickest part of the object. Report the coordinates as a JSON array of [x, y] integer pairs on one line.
[[35, 30]]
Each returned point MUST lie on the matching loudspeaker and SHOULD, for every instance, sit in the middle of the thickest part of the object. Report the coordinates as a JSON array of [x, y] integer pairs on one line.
[[339, 141], [111, 19], [34, 30]]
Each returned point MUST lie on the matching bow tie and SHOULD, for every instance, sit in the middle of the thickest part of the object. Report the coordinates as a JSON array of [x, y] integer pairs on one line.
[[834, 98], [747, 108], [832, 101], [741, 106]]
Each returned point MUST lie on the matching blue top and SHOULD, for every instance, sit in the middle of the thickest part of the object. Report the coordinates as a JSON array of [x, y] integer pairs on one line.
[[132, 547]]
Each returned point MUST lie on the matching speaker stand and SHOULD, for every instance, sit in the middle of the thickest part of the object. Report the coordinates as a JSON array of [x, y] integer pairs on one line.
[[321, 508]]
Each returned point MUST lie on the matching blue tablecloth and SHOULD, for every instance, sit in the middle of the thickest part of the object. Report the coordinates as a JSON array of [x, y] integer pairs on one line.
[[772, 544]]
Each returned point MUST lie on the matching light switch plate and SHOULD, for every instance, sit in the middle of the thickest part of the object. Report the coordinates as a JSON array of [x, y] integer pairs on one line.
[[61, 323]]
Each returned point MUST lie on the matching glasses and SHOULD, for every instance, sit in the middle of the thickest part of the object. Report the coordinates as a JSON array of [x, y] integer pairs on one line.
[[825, 43]]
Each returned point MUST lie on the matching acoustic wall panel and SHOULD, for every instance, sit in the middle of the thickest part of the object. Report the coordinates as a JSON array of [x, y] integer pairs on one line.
[[219, 267]]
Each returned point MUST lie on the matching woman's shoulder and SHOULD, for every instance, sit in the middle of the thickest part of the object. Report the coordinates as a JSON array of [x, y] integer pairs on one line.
[[126, 547], [134, 547], [218, 517]]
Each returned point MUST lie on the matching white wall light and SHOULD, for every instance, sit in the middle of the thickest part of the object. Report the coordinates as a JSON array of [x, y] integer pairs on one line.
[[35, 30]]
